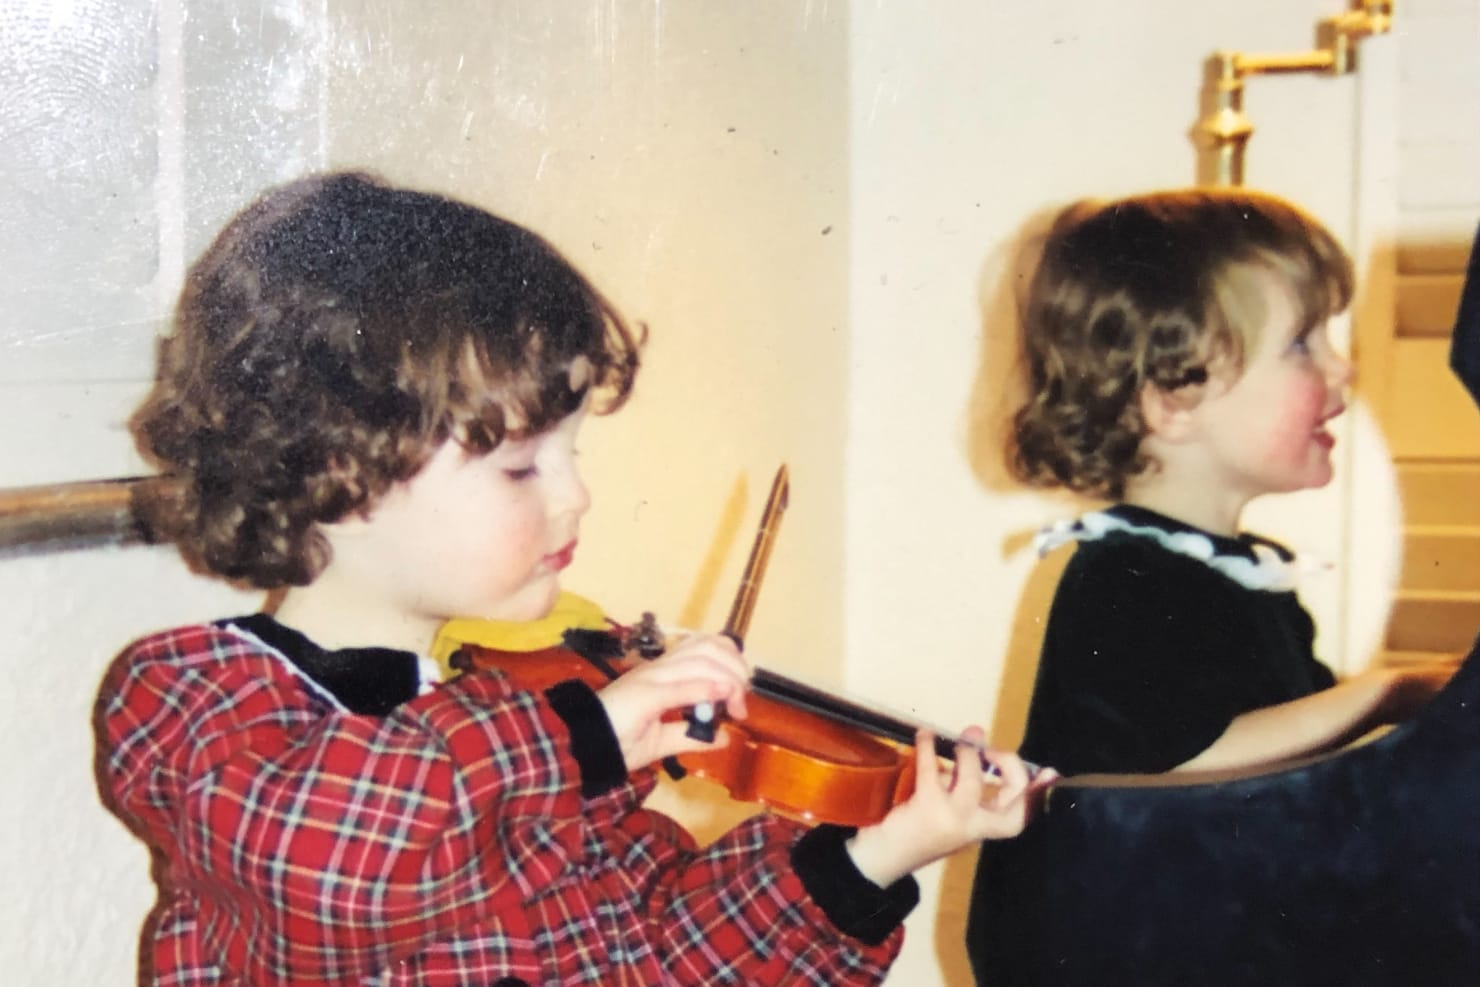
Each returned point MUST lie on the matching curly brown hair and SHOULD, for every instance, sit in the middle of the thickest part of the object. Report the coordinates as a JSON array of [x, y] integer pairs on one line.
[[333, 336], [1154, 289]]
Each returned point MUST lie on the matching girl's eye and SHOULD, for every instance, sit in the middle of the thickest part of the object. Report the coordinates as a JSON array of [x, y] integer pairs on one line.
[[522, 473], [1301, 344]]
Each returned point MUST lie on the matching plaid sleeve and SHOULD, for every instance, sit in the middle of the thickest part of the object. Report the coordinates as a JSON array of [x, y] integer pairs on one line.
[[769, 903], [750, 908], [333, 843], [746, 907]]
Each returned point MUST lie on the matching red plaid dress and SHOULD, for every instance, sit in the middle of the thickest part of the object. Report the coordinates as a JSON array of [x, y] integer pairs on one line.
[[447, 842]]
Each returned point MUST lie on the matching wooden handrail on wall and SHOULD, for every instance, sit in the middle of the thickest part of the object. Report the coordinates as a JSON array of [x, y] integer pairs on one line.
[[67, 516]]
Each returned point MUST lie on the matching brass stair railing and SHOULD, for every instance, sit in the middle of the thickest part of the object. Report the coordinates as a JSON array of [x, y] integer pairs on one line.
[[1226, 129]]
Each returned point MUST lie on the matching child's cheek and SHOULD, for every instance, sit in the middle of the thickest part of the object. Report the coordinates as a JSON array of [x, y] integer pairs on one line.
[[501, 550], [1296, 420], [521, 544]]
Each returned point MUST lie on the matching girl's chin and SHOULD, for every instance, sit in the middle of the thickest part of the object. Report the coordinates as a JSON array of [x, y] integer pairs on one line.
[[530, 604], [1320, 479], [1309, 479]]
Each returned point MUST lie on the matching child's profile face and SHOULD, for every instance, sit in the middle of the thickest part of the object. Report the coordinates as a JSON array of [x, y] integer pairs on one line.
[[1264, 429], [476, 536]]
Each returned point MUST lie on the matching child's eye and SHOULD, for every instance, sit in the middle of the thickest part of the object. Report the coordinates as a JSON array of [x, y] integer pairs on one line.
[[522, 473], [1301, 344]]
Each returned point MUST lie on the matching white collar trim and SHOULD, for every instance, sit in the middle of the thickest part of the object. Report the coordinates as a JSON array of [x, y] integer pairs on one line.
[[431, 674], [1266, 571]]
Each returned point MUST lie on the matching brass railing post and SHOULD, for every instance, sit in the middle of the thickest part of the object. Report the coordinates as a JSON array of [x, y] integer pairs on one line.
[[1224, 132]]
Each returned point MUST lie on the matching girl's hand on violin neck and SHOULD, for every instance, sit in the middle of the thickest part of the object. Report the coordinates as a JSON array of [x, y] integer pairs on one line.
[[700, 668], [953, 807]]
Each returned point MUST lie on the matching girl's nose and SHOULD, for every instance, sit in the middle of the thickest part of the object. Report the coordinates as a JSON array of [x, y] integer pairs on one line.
[[1337, 369], [574, 497], [1339, 372]]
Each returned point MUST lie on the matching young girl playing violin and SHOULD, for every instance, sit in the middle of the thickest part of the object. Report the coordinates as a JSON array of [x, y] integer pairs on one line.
[[370, 399], [1179, 365]]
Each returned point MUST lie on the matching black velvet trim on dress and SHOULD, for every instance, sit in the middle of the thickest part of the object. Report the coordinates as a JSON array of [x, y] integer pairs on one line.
[[856, 905], [593, 742], [368, 681]]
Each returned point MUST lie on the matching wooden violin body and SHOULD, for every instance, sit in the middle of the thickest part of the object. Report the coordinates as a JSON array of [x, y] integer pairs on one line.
[[808, 766], [789, 759]]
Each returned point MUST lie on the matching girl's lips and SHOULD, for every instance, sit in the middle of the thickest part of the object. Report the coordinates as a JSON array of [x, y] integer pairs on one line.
[[1322, 436], [559, 560]]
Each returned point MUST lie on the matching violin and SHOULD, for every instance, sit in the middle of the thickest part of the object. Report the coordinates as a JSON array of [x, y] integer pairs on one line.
[[801, 751]]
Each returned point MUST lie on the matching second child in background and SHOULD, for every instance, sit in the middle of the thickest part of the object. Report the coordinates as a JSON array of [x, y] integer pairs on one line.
[[1179, 365]]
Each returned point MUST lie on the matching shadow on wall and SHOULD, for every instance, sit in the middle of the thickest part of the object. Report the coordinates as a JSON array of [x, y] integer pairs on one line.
[[998, 387], [997, 390], [727, 539], [1014, 690]]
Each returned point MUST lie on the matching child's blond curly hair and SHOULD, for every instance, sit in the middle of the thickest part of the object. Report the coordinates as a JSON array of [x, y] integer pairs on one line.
[[1152, 289]]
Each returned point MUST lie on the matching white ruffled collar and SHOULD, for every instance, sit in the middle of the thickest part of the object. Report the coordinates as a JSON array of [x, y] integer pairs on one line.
[[1268, 570]]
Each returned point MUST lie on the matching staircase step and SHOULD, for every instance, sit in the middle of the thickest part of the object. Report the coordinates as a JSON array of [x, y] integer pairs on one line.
[[1427, 413], [1440, 493], [1435, 239], [1433, 621], [1428, 303], [1439, 557], [1400, 659]]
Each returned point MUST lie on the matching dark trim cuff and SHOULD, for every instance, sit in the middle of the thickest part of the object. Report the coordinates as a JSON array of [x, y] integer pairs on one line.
[[593, 743], [856, 905]]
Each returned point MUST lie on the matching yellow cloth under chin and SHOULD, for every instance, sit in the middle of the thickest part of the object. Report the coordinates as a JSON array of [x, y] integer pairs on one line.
[[570, 611]]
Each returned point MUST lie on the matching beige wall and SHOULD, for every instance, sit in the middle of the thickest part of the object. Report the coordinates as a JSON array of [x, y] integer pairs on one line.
[[693, 159], [809, 203], [966, 125]]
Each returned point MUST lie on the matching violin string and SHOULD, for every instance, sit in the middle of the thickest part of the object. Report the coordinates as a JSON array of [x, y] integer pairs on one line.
[[853, 714]]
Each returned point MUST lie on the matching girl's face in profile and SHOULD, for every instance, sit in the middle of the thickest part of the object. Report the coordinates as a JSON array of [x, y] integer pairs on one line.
[[1266, 428], [477, 535]]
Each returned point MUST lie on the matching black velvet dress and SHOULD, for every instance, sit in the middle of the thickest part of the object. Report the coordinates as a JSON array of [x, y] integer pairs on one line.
[[1150, 652], [1159, 635]]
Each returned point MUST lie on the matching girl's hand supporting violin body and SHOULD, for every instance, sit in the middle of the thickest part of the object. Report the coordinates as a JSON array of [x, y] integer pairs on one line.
[[950, 809], [699, 668]]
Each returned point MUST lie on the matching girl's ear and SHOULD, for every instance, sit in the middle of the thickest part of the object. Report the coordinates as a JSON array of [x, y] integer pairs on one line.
[[1169, 414]]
